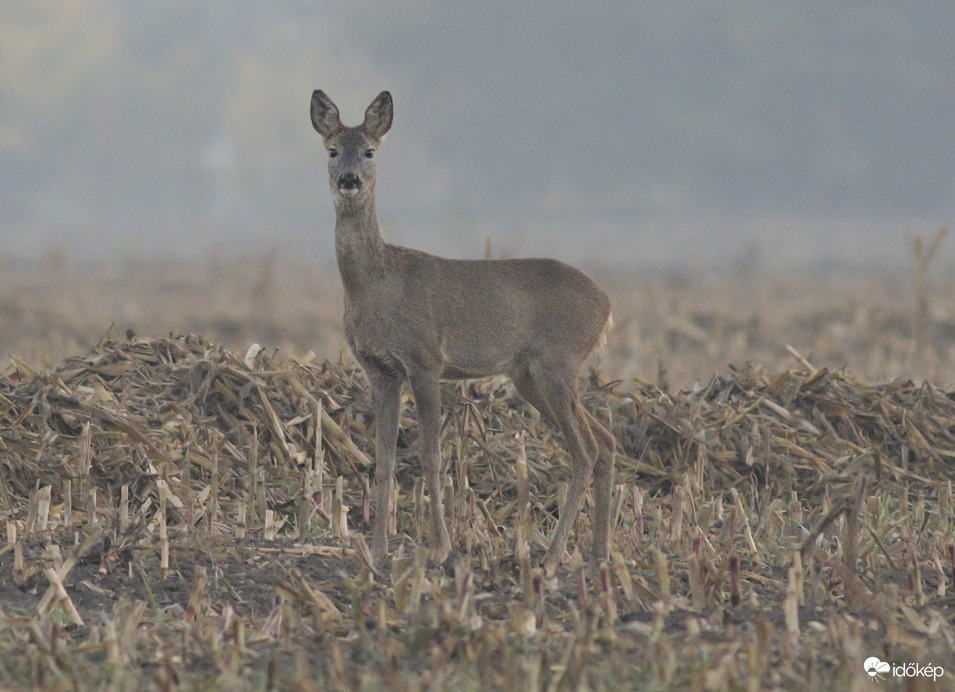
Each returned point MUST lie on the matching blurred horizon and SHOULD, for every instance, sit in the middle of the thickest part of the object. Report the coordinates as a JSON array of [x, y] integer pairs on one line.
[[633, 135]]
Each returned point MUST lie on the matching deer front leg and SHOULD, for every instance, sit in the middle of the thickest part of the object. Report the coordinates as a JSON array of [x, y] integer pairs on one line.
[[427, 395], [386, 400]]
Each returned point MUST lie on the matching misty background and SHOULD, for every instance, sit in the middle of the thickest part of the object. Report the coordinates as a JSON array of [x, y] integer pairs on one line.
[[634, 134]]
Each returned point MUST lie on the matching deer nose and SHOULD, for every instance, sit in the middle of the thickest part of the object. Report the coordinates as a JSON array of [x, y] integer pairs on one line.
[[349, 181]]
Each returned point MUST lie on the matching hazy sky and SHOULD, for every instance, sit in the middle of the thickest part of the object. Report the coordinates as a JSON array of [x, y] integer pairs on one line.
[[635, 133]]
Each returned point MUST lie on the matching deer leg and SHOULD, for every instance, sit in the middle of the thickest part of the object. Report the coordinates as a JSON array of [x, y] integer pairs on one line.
[[603, 485], [579, 438], [556, 398], [427, 395], [386, 401]]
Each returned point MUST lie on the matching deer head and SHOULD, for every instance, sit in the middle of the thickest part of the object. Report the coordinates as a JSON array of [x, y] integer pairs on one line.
[[351, 150]]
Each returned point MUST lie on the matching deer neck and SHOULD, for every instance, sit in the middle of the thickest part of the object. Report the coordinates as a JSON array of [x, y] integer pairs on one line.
[[359, 249]]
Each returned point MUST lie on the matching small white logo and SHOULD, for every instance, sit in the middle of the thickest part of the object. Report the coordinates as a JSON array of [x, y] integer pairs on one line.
[[873, 667], [876, 668]]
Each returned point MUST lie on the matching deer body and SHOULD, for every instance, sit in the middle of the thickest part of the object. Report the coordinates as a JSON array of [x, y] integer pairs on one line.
[[421, 318]]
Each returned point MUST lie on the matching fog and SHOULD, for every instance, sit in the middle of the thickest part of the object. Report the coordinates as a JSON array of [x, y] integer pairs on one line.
[[632, 134]]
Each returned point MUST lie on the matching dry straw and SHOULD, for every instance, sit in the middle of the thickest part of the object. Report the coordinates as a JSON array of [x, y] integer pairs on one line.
[[769, 528]]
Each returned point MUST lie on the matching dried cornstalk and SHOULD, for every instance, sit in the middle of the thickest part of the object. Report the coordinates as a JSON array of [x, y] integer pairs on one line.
[[63, 598], [163, 536]]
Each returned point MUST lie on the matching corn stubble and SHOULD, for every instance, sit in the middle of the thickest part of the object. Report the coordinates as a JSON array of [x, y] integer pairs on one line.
[[181, 516]]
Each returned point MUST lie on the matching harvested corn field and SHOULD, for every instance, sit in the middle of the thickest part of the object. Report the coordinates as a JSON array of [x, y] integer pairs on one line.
[[179, 515]]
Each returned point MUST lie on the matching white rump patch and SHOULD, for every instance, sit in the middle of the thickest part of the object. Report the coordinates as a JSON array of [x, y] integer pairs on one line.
[[602, 341]]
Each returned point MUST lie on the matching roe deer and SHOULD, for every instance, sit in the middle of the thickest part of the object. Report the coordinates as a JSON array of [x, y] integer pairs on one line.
[[411, 315]]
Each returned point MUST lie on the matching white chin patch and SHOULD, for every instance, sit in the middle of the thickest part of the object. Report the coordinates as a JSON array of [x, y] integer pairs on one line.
[[348, 191]]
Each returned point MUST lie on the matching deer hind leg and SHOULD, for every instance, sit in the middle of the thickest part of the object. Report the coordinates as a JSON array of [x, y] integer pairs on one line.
[[603, 485], [556, 397], [386, 401], [427, 395]]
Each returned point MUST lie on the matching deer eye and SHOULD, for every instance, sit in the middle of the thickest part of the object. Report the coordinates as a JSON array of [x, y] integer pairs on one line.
[[369, 153], [332, 153]]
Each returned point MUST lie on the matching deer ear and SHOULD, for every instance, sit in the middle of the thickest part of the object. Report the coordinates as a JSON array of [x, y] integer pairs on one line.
[[379, 115], [324, 114]]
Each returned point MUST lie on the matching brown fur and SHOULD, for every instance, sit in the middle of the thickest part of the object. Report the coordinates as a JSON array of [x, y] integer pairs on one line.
[[413, 316]]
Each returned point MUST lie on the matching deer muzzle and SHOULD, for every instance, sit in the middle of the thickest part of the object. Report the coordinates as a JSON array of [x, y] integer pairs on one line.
[[349, 183]]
